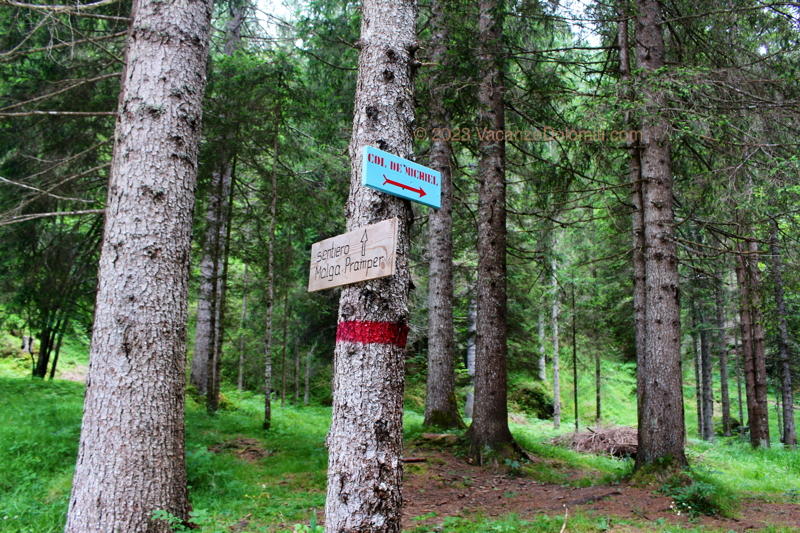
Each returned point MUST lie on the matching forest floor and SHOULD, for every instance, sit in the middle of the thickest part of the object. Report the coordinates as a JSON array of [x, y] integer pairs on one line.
[[444, 485], [247, 481]]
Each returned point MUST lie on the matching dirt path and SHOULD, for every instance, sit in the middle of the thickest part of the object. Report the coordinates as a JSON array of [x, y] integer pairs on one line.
[[448, 486], [76, 373]]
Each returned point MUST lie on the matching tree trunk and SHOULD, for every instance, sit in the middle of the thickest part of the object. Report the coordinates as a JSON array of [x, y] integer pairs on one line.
[[757, 324], [283, 346], [131, 454], [365, 438], [637, 220], [47, 337], [208, 329], [739, 370], [542, 349], [226, 171], [221, 282], [722, 350], [472, 329], [698, 372], [597, 387], [784, 346], [661, 423], [242, 322], [273, 215], [307, 388], [778, 417], [707, 393], [574, 362], [754, 372], [440, 399], [555, 310], [489, 429], [57, 350], [206, 297], [296, 374]]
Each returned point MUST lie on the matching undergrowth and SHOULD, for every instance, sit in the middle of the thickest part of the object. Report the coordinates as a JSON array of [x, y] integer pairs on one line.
[[284, 486]]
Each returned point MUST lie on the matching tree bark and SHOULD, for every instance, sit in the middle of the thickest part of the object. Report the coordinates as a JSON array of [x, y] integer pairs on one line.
[[661, 420], [213, 265], [489, 429], [57, 351], [472, 332], [757, 324], [296, 374], [131, 454], [754, 364], [597, 388], [574, 362], [555, 311], [365, 438], [273, 215], [542, 349], [242, 322], [784, 346], [722, 350], [283, 346], [637, 220], [698, 365], [440, 399], [220, 279], [739, 370], [778, 417], [307, 387], [47, 339], [222, 286], [206, 297], [707, 393]]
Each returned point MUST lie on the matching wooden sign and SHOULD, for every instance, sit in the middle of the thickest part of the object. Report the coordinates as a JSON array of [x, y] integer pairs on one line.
[[362, 254]]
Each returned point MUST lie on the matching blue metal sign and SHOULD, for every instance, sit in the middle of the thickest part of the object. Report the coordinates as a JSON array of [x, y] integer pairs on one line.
[[394, 175]]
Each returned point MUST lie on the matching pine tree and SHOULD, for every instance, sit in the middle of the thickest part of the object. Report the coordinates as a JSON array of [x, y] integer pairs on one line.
[[365, 439], [131, 455]]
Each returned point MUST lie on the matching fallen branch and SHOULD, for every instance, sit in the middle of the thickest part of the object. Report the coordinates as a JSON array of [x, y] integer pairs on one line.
[[620, 441]]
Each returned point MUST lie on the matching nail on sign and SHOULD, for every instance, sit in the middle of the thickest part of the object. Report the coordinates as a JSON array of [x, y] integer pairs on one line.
[[391, 174], [360, 255]]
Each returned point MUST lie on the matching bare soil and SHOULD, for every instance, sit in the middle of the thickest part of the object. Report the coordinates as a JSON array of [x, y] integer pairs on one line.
[[246, 449], [77, 373], [449, 486]]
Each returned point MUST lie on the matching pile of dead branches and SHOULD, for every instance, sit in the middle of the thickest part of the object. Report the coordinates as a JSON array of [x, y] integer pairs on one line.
[[617, 441]]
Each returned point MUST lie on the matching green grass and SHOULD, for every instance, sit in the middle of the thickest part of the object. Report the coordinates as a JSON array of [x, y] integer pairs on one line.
[[14, 362], [773, 473], [40, 424], [39, 430], [40, 427], [286, 486], [595, 469]]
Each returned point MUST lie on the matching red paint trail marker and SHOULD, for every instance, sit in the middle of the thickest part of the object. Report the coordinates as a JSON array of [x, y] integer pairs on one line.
[[372, 332], [419, 191]]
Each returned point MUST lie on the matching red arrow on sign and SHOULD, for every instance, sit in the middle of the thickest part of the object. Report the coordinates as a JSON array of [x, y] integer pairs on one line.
[[419, 191]]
